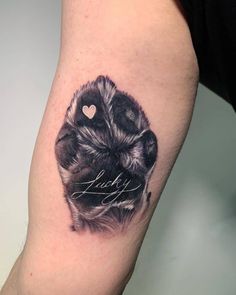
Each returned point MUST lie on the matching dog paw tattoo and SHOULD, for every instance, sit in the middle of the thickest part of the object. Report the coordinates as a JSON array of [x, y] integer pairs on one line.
[[106, 153]]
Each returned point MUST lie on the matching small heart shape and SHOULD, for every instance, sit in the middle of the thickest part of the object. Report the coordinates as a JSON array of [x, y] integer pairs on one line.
[[89, 111]]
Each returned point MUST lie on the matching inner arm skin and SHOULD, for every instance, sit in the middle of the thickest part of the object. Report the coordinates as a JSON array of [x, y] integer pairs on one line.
[[147, 51]]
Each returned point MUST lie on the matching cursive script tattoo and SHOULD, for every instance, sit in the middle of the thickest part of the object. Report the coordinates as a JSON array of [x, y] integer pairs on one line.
[[120, 186], [106, 153]]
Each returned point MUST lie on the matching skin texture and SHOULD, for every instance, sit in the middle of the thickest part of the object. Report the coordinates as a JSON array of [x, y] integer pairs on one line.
[[147, 51]]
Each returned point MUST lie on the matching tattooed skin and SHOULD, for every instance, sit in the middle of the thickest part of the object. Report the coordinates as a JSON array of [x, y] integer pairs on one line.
[[106, 153]]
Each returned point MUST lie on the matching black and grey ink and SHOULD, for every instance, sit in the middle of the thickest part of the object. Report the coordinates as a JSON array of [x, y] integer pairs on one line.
[[106, 153]]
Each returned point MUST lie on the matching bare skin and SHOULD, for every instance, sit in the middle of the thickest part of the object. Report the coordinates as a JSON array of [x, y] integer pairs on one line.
[[147, 51]]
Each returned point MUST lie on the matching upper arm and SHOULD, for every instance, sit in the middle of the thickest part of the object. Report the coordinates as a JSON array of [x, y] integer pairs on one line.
[[104, 146]]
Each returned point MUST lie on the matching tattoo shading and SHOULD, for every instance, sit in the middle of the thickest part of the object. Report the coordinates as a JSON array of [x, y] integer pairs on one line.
[[106, 153]]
